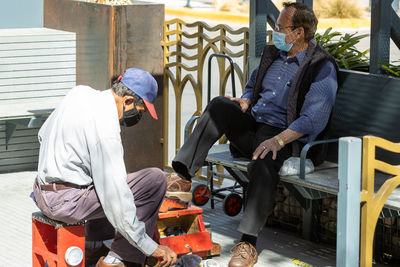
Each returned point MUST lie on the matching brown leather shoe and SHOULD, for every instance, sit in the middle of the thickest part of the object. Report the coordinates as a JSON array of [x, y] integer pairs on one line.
[[101, 263], [243, 255], [178, 188]]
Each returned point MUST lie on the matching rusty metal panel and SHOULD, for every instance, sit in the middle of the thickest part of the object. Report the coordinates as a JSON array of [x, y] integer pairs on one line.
[[109, 40], [139, 46], [92, 24]]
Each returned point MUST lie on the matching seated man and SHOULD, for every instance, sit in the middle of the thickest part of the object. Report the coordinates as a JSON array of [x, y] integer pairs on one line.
[[82, 175], [288, 98]]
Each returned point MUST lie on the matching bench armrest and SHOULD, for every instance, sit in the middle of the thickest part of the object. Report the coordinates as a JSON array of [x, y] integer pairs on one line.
[[304, 151], [189, 127]]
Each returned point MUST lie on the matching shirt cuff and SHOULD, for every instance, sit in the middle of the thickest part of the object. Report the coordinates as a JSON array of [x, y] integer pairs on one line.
[[302, 125], [247, 95], [148, 246]]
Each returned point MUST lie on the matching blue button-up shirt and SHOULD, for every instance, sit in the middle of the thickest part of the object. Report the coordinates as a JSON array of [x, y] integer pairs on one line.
[[272, 105]]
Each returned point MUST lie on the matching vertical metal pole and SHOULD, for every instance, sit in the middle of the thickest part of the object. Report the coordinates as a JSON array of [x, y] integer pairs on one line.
[[381, 11], [258, 31], [348, 224]]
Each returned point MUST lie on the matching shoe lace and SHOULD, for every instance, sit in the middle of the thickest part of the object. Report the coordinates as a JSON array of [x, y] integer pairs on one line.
[[174, 185], [244, 249], [173, 181]]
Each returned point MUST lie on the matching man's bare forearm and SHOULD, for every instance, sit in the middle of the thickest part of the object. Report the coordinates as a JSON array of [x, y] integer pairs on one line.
[[288, 136]]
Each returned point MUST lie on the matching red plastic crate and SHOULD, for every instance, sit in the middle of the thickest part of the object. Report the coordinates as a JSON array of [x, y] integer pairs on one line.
[[195, 240], [51, 240]]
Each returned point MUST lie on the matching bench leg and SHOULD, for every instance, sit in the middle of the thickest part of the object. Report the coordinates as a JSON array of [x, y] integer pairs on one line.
[[307, 219], [308, 210]]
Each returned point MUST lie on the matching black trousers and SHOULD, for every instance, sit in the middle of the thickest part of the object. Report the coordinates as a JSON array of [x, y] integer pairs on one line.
[[223, 116]]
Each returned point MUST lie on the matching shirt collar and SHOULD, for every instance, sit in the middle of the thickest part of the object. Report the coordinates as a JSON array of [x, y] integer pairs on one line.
[[298, 58]]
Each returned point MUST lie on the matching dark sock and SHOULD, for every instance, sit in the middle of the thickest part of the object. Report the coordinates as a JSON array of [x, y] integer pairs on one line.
[[249, 238]]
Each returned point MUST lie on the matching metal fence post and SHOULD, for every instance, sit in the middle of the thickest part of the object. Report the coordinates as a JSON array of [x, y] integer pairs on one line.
[[381, 12], [258, 32], [348, 217]]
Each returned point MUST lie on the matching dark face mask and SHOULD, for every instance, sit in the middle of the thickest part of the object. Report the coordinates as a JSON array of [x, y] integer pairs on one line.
[[130, 117]]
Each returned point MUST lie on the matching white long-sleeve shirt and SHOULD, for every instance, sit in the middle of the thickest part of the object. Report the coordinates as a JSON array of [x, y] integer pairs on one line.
[[80, 143]]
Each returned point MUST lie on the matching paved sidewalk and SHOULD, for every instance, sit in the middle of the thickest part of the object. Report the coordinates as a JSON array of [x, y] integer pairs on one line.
[[16, 208], [278, 248]]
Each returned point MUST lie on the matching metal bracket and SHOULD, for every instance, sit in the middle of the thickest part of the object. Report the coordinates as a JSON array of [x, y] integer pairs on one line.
[[11, 126]]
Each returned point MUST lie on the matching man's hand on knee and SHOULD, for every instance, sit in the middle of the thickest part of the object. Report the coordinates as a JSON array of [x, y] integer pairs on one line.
[[243, 102], [265, 147], [167, 255]]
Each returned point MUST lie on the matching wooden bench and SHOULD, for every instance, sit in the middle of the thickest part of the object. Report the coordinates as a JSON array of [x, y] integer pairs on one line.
[[365, 105], [37, 68]]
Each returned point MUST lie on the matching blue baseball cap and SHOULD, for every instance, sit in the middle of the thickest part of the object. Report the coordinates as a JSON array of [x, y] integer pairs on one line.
[[144, 85]]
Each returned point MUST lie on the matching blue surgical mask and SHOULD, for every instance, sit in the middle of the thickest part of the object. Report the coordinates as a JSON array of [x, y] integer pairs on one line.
[[279, 41]]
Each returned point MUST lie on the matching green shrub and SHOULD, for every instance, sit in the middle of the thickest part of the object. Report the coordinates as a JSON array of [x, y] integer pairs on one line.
[[391, 69], [338, 9], [342, 48]]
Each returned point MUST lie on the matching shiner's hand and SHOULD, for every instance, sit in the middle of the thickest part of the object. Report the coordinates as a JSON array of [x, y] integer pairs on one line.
[[243, 102], [167, 255]]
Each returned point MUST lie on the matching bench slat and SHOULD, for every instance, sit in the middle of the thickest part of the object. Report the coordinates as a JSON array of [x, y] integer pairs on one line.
[[19, 166], [19, 154], [325, 179], [36, 52], [37, 66], [27, 107], [37, 45], [33, 94], [38, 80], [37, 73], [36, 87], [38, 59]]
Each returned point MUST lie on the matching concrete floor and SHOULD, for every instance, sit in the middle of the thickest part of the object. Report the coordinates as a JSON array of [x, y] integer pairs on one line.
[[276, 247]]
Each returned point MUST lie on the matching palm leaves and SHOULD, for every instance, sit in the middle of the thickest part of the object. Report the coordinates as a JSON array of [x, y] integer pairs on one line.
[[391, 68], [342, 48]]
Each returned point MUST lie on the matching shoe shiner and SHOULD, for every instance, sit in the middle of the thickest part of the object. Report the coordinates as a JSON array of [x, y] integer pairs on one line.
[[82, 175], [287, 103]]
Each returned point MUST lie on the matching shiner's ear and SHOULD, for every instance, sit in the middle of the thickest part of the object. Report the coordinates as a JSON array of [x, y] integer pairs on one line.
[[128, 100]]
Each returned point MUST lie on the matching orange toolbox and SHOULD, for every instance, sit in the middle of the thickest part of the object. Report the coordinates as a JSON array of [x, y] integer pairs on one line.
[[181, 228]]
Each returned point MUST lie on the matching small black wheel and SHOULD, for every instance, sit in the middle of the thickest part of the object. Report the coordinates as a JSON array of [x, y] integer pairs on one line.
[[201, 195], [232, 204]]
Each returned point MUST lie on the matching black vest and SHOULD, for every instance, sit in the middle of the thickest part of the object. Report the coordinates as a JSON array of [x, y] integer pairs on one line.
[[315, 58]]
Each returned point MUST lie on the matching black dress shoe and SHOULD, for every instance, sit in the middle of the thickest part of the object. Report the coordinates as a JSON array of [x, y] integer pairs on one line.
[[92, 256]]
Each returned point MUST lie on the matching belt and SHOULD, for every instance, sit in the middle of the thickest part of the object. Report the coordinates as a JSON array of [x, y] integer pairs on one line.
[[55, 187]]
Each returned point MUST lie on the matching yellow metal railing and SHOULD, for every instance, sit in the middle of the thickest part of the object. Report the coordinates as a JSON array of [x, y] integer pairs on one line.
[[372, 205], [187, 47]]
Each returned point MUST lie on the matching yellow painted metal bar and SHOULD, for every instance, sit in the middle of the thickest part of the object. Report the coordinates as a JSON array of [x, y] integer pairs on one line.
[[372, 205], [184, 63]]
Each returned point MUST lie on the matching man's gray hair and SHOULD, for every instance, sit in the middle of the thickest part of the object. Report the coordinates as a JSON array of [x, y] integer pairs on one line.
[[121, 90], [304, 17]]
